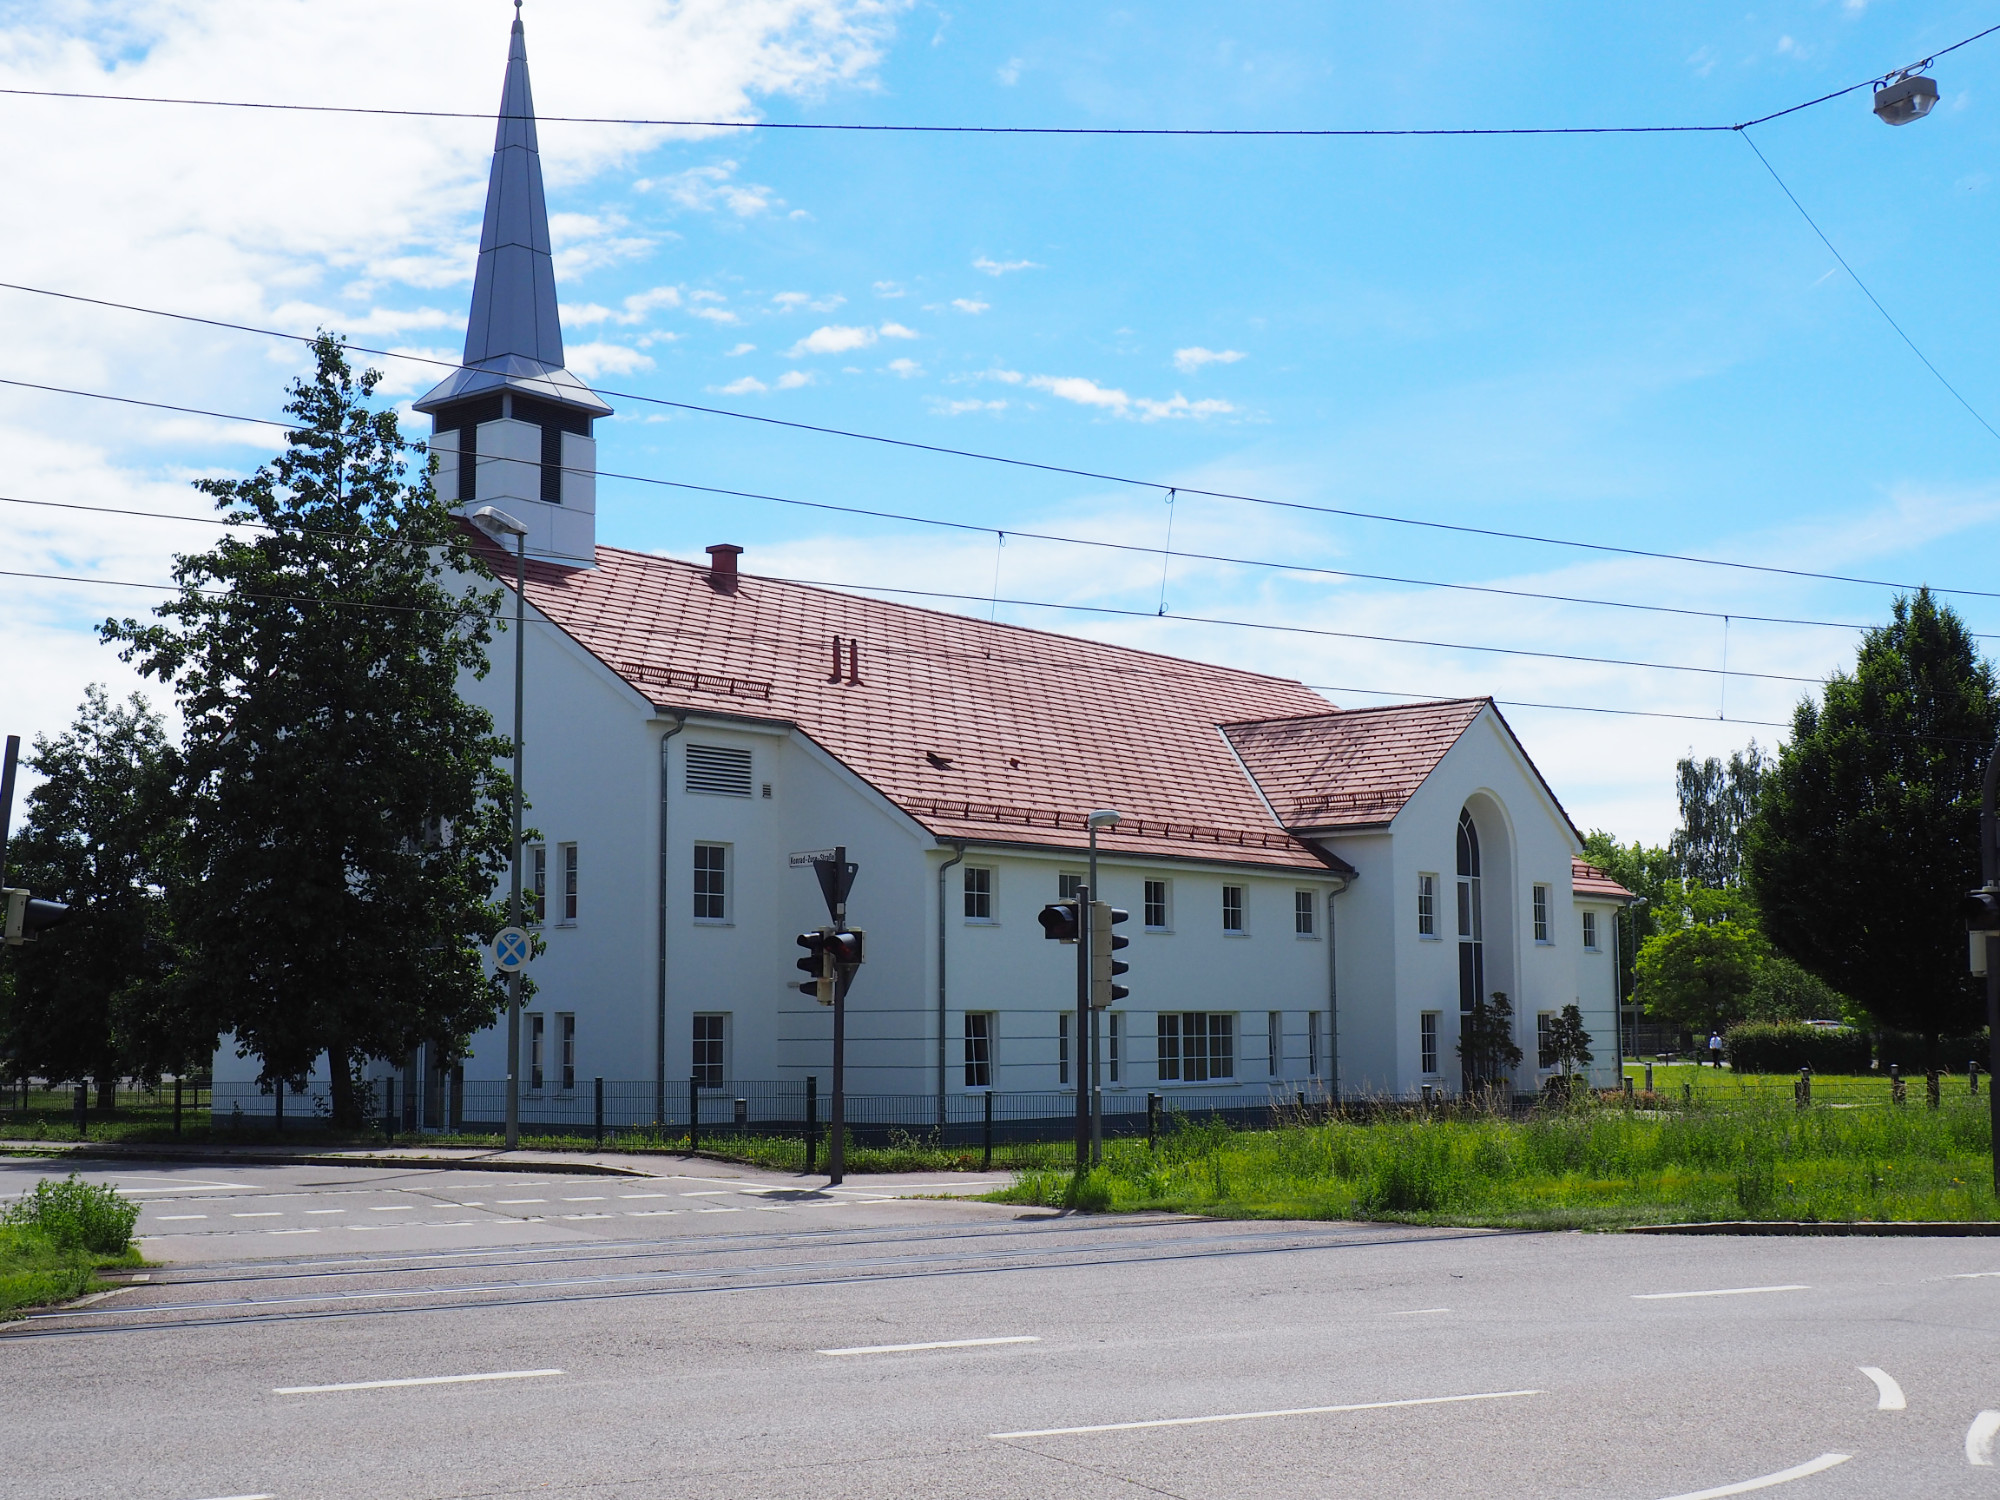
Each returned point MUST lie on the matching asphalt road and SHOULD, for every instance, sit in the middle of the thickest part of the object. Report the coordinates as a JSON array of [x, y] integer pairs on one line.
[[721, 1334]]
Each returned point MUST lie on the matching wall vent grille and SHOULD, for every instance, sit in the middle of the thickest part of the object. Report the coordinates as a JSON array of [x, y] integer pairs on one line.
[[718, 771]]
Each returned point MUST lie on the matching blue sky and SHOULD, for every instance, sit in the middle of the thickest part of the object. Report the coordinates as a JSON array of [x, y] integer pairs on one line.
[[1631, 340]]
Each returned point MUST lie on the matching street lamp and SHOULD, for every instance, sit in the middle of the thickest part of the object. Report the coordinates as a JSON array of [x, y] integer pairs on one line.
[[497, 523], [1905, 95], [1103, 818]]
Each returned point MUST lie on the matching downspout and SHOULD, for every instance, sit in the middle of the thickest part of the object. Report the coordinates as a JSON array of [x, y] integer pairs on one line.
[[942, 1047], [660, 998], [1333, 997]]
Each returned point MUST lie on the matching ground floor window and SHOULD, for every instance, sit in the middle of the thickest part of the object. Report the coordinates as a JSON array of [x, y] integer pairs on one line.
[[566, 1051], [1114, 1038], [1274, 1042], [1197, 1047], [978, 1049], [1545, 1022], [1428, 1042], [1312, 1043], [710, 1033], [1062, 1048], [534, 1050]]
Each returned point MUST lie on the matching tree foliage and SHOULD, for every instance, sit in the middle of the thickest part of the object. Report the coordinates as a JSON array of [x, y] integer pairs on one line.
[[346, 813], [1700, 975], [1486, 1043], [1866, 833], [1567, 1045], [1717, 801]]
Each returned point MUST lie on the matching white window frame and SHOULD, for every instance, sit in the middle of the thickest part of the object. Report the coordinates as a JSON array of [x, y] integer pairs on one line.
[[697, 872], [977, 1031], [1114, 1050], [1545, 1021], [1541, 915], [1241, 913], [988, 878], [714, 1074], [1274, 1043], [1430, 1041], [1067, 882], [1305, 909], [1166, 905], [1590, 932], [565, 1052], [1062, 1048], [535, 896], [566, 885], [1427, 906], [535, 1033], [1174, 1060]]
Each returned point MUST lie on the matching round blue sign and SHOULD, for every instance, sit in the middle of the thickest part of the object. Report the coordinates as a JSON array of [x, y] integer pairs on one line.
[[511, 949]]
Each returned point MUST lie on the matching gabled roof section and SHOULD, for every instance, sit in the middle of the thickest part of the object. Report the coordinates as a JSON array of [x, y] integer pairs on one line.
[[1591, 884], [985, 732], [1349, 769]]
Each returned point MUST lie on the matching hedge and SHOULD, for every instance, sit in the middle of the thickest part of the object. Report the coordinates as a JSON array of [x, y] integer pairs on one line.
[[1787, 1046], [1907, 1050]]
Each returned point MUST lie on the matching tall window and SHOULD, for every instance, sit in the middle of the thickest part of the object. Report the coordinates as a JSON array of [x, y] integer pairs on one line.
[[1114, 1044], [1541, 914], [978, 1049], [1544, 1046], [1274, 1042], [1312, 1043], [1068, 883], [566, 1051], [1427, 906], [1062, 1048], [978, 894], [1428, 1042], [1471, 931], [1302, 913], [534, 1050], [1590, 930], [566, 873], [710, 1032], [1232, 908], [1197, 1047], [1155, 913], [711, 882], [538, 882]]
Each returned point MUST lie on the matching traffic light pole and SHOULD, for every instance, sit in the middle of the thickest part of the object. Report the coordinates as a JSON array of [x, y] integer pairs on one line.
[[836, 1135], [1084, 897], [1096, 1034], [1989, 868]]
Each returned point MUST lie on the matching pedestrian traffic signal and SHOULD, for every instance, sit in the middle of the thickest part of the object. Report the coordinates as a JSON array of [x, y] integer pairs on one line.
[[1059, 921], [1982, 910], [27, 917], [818, 982], [1103, 943]]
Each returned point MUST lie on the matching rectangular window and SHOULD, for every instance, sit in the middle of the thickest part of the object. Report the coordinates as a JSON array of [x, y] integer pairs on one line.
[[1114, 1039], [566, 874], [468, 463], [538, 883], [1545, 1053], [566, 1051], [1274, 1042], [1541, 914], [978, 894], [1062, 1048], [718, 771], [1197, 1047], [1428, 1046], [710, 1032], [1312, 1043], [1232, 908], [534, 1050], [1068, 884], [978, 1049], [1155, 914], [1590, 930], [1302, 913], [711, 882], [1427, 906]]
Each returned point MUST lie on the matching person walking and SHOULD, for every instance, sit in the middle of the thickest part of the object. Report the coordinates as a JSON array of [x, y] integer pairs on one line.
[[1715, 1049]]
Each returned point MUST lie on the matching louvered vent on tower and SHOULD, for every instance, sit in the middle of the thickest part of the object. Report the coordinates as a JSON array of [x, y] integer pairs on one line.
[[718, 771]]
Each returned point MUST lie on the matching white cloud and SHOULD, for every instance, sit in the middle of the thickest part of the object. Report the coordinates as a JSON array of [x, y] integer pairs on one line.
[[1187, 361], [969, 305], [1009, 72], [791, 380], [889, 289], [1002, 267], [897, 331], [588, 361], [834, 338], [705, 189], [746, 385], [633, 310], [714, 314], [960, 408], [739, 349], [1141, 408], [792, 301], [906, 368]]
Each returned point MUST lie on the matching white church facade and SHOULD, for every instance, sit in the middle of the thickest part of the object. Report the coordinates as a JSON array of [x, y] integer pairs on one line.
[[1316, 894]]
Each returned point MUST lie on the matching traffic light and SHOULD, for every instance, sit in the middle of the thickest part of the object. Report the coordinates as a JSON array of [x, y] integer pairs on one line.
[[1982, 910], [27, 917], [845, 949], [814, 965], [1103, 943], [1059, 921]]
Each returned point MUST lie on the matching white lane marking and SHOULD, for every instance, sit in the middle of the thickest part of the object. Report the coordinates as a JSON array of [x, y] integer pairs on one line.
[[380, 1385], [1415, 1311], [711, 1193], [1979, 1439], [718, 1210], [1728, 1291], [1971, 1275], [520, 1200], [311, 1211], [598, 1199], [245, 1497], [650, 1213], [291, 1231], [163, 1218], [586, 1216], [1784, 1476], [267, 1214], [1252, 1416], [472, 1203], [645, 1195], [1019, 1338], [1891, 1398], [394, 1208]]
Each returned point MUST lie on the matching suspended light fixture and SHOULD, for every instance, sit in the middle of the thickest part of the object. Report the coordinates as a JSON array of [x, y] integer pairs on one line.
[[1905, 96]]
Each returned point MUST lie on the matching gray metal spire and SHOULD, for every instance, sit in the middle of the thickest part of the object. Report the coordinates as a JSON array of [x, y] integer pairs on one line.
[[514, 337]]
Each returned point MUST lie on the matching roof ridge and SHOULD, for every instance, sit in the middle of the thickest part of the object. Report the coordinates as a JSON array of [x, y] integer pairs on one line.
[[1349, 713]]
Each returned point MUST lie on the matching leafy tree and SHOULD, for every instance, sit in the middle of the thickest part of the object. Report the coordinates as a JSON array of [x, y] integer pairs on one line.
[[1782, 991], [91, 999], [1717, 802], [1700, 976], [1645, 872], [1567, 1045], [1486, 1044], [1867, 828], [347, 814]]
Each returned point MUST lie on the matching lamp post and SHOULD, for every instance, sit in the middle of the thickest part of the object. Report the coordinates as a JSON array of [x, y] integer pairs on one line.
[[1989, 869], [1105, 818], [497, 523]]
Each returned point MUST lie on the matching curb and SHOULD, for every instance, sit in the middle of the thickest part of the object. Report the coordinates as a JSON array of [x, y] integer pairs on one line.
[[328, 1159], [1867, 1228]]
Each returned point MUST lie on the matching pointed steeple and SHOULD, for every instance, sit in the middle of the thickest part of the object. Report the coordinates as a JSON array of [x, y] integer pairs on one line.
[[514, 290]]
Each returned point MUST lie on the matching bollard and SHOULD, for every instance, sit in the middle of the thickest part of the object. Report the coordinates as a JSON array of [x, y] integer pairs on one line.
[[742, 1116], [1152, 1121], [986, 1136], [694, 1114], [82, 1111], [597, 1086], [1424, 1098], [389, 1108], [1802, 1090], [1649, 1078], [177, 1101], [812, 1122], [1931, 1088], [1897, 1093], [1631, 1085], [1687, 1095]]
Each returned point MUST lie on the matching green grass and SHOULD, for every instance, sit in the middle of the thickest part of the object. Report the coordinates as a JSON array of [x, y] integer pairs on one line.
[[35, 1272], [56, 1238], [1726, 1086], [1597, 1166]]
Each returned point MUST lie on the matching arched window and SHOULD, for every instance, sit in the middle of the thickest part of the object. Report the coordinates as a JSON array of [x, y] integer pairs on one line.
[[1471, 934]]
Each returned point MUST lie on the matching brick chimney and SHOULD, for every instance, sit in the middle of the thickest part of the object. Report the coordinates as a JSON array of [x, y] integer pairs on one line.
[[722, 567]]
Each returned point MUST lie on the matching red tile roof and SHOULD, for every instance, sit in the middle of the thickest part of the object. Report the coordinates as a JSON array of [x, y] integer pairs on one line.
[[1589, 881], [989, 732], [1349, 769]]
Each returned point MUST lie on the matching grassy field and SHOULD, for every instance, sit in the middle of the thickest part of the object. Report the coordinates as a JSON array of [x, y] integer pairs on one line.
[[1597, 1166], [1726, 1086]]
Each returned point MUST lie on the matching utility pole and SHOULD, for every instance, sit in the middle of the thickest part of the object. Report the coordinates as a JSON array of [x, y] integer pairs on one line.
[[1989, 868]]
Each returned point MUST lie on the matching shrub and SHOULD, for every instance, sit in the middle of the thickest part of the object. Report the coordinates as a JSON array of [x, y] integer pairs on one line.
[[76, 1215], [1908, 1051], [1787, 1046]]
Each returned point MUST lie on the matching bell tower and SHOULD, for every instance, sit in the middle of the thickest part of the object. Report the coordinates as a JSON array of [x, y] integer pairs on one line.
[[512, 427]]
